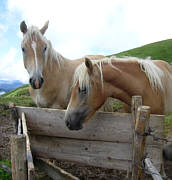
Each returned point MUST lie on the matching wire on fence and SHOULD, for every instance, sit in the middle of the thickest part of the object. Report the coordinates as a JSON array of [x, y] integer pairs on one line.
[[150, 132]]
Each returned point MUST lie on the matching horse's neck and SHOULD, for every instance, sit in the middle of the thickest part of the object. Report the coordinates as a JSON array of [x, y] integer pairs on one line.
[[121, 81], [58, 76]]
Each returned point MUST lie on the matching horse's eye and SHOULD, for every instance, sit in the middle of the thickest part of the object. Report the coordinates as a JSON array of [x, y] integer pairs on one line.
[[23, 49], [45, 48]]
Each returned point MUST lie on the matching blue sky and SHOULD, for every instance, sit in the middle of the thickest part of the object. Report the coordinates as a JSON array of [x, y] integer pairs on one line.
[[78, 28]]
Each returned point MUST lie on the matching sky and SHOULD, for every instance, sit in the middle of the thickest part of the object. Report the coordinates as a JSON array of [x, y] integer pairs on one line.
[[81, 27]]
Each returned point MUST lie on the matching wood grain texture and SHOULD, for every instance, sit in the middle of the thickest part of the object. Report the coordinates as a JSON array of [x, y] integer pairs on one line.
[[95, 153], [139, 141], [53, 171], [113, 127], [18, 157], [30, 165]]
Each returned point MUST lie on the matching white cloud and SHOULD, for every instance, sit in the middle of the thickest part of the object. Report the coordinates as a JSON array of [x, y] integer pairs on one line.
[[77, 27], [80, 27], [11, 68]]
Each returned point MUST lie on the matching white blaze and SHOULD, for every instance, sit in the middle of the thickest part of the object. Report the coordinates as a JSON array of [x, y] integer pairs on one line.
[[34, 50]]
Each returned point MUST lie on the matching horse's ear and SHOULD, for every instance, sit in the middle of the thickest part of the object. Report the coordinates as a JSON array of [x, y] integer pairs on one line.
[[23, 27], [44, 28], [89, 65]]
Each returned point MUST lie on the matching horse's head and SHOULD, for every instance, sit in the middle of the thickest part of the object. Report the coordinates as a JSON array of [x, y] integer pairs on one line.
[[35, 52], [87, 95]]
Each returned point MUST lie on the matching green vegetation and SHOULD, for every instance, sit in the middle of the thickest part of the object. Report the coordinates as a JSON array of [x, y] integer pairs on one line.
[[19, 96], [161, 50], [3, 174], [168, 122]]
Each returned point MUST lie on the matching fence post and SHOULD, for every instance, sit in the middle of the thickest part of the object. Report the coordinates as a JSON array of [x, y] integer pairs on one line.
[[136, 102], [30, 165], [18, 157], [140, 125]]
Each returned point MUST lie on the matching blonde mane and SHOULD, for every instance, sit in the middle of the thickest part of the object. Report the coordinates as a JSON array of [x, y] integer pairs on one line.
[[33, 34], [153, 72]]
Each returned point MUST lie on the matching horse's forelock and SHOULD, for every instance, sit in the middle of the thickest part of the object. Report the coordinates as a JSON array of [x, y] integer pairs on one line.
[[33, 34], [82, 76]]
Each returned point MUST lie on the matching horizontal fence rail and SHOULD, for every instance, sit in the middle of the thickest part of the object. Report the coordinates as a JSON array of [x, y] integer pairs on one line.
[[105, 141]]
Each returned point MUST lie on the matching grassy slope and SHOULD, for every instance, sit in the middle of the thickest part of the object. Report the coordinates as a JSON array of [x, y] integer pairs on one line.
[[158, 50], [19, 96]]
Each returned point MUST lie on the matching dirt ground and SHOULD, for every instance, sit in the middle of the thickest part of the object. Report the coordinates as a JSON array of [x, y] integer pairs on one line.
[[7, 129]]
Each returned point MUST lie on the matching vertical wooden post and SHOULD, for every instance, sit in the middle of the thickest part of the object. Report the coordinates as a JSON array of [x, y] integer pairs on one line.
[[18, 157], [139, 141], [30, 165], [136, 102]]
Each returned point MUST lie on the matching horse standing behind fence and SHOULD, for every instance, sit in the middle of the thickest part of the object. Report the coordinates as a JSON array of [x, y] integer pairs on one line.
[[50, 73], [119, 78]]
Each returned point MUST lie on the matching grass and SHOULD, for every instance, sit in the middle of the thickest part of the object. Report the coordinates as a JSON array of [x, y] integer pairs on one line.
[[3, 174], [19, 96], [158, 50], [168, 122]]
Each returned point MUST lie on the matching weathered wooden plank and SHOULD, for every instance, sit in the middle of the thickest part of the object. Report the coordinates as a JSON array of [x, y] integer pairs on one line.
[[30, 165], [114, 127], [95, 153], [18, 157], [19, 129], [139, 141], [135, 104], [53, 171], [152, 170]]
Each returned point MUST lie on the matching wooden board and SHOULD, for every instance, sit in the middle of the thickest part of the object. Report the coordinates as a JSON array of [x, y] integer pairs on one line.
[[53, 171], [113, 127], [95, 153]]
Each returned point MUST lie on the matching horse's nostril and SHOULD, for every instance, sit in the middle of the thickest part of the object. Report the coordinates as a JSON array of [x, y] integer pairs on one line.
[[42, 80], [30, 80], [67, 124]]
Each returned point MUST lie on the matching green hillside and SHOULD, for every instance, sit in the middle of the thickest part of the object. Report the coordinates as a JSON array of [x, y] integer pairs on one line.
[[19, 96], [161, 50]]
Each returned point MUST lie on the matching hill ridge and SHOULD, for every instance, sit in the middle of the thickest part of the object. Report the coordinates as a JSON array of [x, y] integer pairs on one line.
[[161, 50]]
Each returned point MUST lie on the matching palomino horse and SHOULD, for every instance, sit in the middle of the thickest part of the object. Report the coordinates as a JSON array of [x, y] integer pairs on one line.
[[50, 73], [120, 78]]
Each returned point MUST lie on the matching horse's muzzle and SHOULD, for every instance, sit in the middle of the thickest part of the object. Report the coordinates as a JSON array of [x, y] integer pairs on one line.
[[36, 83], [74, 118], [73, 124]]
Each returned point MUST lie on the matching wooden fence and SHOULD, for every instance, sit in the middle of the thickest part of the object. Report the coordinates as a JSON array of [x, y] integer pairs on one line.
[[109, 140]]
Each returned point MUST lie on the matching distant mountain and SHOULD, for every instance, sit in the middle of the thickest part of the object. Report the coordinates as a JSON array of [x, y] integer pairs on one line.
[[6, 85]]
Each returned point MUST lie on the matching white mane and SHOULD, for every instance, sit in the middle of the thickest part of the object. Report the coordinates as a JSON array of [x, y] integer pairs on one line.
[[153, 72], [32, 34]]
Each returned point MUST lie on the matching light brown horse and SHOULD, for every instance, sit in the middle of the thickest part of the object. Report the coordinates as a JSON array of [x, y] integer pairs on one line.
[[94, 81], [50, 73]]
